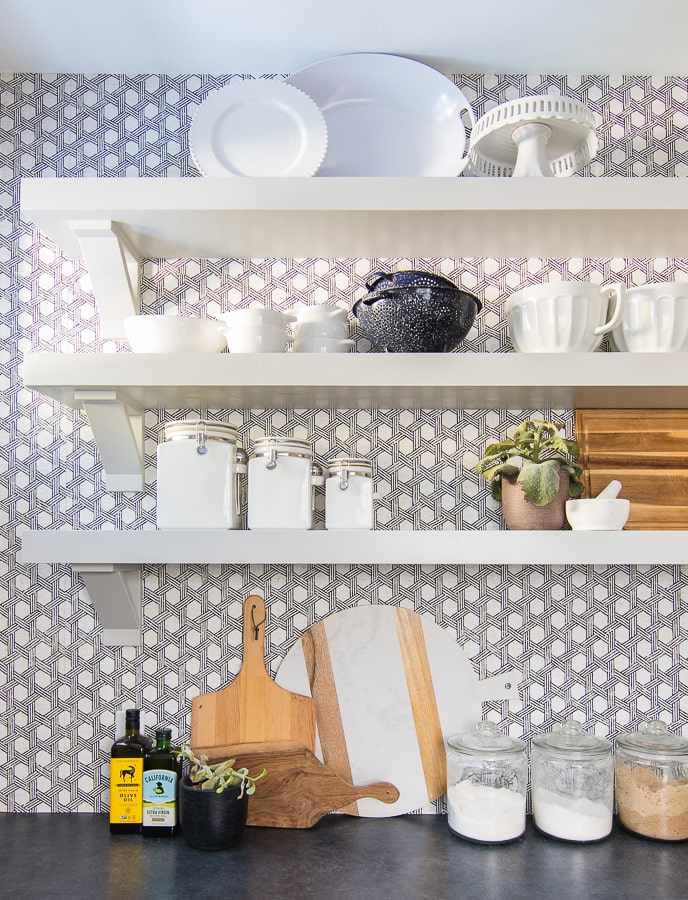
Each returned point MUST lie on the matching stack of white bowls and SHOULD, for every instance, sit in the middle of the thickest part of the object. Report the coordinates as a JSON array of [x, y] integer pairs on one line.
[[257, 330], [321, 329]]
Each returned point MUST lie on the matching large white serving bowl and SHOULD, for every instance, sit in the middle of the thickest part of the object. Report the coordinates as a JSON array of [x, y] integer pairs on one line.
[[655, 319], [597, 514], [174, 334]]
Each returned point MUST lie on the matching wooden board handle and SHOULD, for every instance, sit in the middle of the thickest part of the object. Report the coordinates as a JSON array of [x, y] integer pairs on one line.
[[380, 790], [253, 663]]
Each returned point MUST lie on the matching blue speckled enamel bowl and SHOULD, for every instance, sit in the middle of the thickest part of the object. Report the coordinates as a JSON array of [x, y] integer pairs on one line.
[[417, 319], [382, 281]]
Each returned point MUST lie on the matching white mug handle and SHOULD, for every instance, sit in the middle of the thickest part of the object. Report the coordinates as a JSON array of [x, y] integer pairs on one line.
[[619, 292]]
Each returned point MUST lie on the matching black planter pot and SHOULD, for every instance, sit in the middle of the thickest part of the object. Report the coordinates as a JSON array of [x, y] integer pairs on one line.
[[211, 821]]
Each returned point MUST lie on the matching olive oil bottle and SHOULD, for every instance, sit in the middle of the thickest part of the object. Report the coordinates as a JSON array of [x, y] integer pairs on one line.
[[126, 777], [160, 787]]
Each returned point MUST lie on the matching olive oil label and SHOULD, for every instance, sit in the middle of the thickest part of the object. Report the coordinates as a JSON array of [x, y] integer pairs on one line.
[[126, 777], [159, 798]]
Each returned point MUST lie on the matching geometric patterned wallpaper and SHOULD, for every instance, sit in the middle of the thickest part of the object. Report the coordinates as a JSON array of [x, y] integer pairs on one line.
[[606, 645]]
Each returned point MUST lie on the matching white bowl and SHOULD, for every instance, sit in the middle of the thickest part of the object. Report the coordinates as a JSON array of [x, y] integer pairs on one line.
[[173, 334], [594, 514], [257, 317], [321, 314], [566, 316], [322, 345], [256, 339], [655, 320], [335, 329]]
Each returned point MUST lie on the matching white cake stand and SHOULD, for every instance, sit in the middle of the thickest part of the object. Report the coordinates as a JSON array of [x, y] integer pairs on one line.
[[538, 136]]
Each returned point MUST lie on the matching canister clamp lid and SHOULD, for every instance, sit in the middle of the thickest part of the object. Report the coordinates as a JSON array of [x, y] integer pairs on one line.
[[199, 430]]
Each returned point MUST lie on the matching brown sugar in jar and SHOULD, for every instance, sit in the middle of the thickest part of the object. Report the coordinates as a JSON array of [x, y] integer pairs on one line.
[[652, 782]]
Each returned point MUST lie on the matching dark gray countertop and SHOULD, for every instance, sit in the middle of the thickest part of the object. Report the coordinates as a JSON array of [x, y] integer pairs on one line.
[[406, 858]]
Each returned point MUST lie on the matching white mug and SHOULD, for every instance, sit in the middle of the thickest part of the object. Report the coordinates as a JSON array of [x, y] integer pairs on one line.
[[655, 319], [565, 316]]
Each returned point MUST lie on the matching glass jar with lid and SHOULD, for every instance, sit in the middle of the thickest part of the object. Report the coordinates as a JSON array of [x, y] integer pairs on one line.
[[282, 478], [200, 473], [652, 782], [487, 779], [572, 784], [349, 494]]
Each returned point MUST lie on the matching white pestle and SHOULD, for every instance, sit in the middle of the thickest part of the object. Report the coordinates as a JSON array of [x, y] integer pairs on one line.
[[610, 491]]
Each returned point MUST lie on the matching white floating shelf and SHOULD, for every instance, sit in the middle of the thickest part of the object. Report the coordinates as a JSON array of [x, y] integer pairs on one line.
[[109, 561], [364, 380], [356, 547], [411, 217]]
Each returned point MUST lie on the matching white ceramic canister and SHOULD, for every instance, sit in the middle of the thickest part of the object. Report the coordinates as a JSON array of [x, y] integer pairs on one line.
[[282, 478], [487, 780], [572, 784], [199, 479], [349, 494]]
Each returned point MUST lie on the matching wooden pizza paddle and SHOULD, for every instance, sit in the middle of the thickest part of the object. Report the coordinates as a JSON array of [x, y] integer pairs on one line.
[[251, 708]]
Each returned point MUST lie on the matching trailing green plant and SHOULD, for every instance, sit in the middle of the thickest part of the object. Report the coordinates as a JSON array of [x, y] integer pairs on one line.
[[220, 775], [536, 454]]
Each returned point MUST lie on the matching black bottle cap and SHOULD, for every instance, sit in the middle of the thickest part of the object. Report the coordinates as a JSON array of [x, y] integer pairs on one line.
[[163, 734]]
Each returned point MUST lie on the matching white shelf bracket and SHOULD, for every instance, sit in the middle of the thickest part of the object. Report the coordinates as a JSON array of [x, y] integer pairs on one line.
[[115, 272], [118, 433], [115, 592]]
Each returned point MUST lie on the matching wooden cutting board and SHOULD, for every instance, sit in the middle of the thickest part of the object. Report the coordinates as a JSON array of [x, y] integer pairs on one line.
[[298, 789], [647, 450], [389, 686], [252, 707]]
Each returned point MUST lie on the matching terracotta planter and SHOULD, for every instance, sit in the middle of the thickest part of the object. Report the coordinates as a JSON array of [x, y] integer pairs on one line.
[[520, 515], [211, 821]]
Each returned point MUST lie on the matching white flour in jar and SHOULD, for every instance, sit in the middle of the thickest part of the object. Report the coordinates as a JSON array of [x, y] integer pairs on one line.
[[571, 818], [485, 813]]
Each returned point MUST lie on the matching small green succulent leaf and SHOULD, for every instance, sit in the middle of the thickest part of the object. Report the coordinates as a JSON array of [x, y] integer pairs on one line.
[[540, 482]]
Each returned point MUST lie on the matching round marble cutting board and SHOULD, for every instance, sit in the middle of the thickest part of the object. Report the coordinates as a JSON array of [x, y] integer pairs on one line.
[[390, 686]]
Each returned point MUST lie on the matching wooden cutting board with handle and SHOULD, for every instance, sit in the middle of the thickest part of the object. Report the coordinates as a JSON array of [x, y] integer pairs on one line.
[[390, 687], [252, 708], [298, 789]]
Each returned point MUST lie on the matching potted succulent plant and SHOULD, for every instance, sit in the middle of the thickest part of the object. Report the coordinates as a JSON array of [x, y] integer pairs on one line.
[[213, 799], [533, 473]]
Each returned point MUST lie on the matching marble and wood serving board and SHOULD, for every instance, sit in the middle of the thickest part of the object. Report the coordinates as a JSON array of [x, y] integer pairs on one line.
[[390, 686]]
